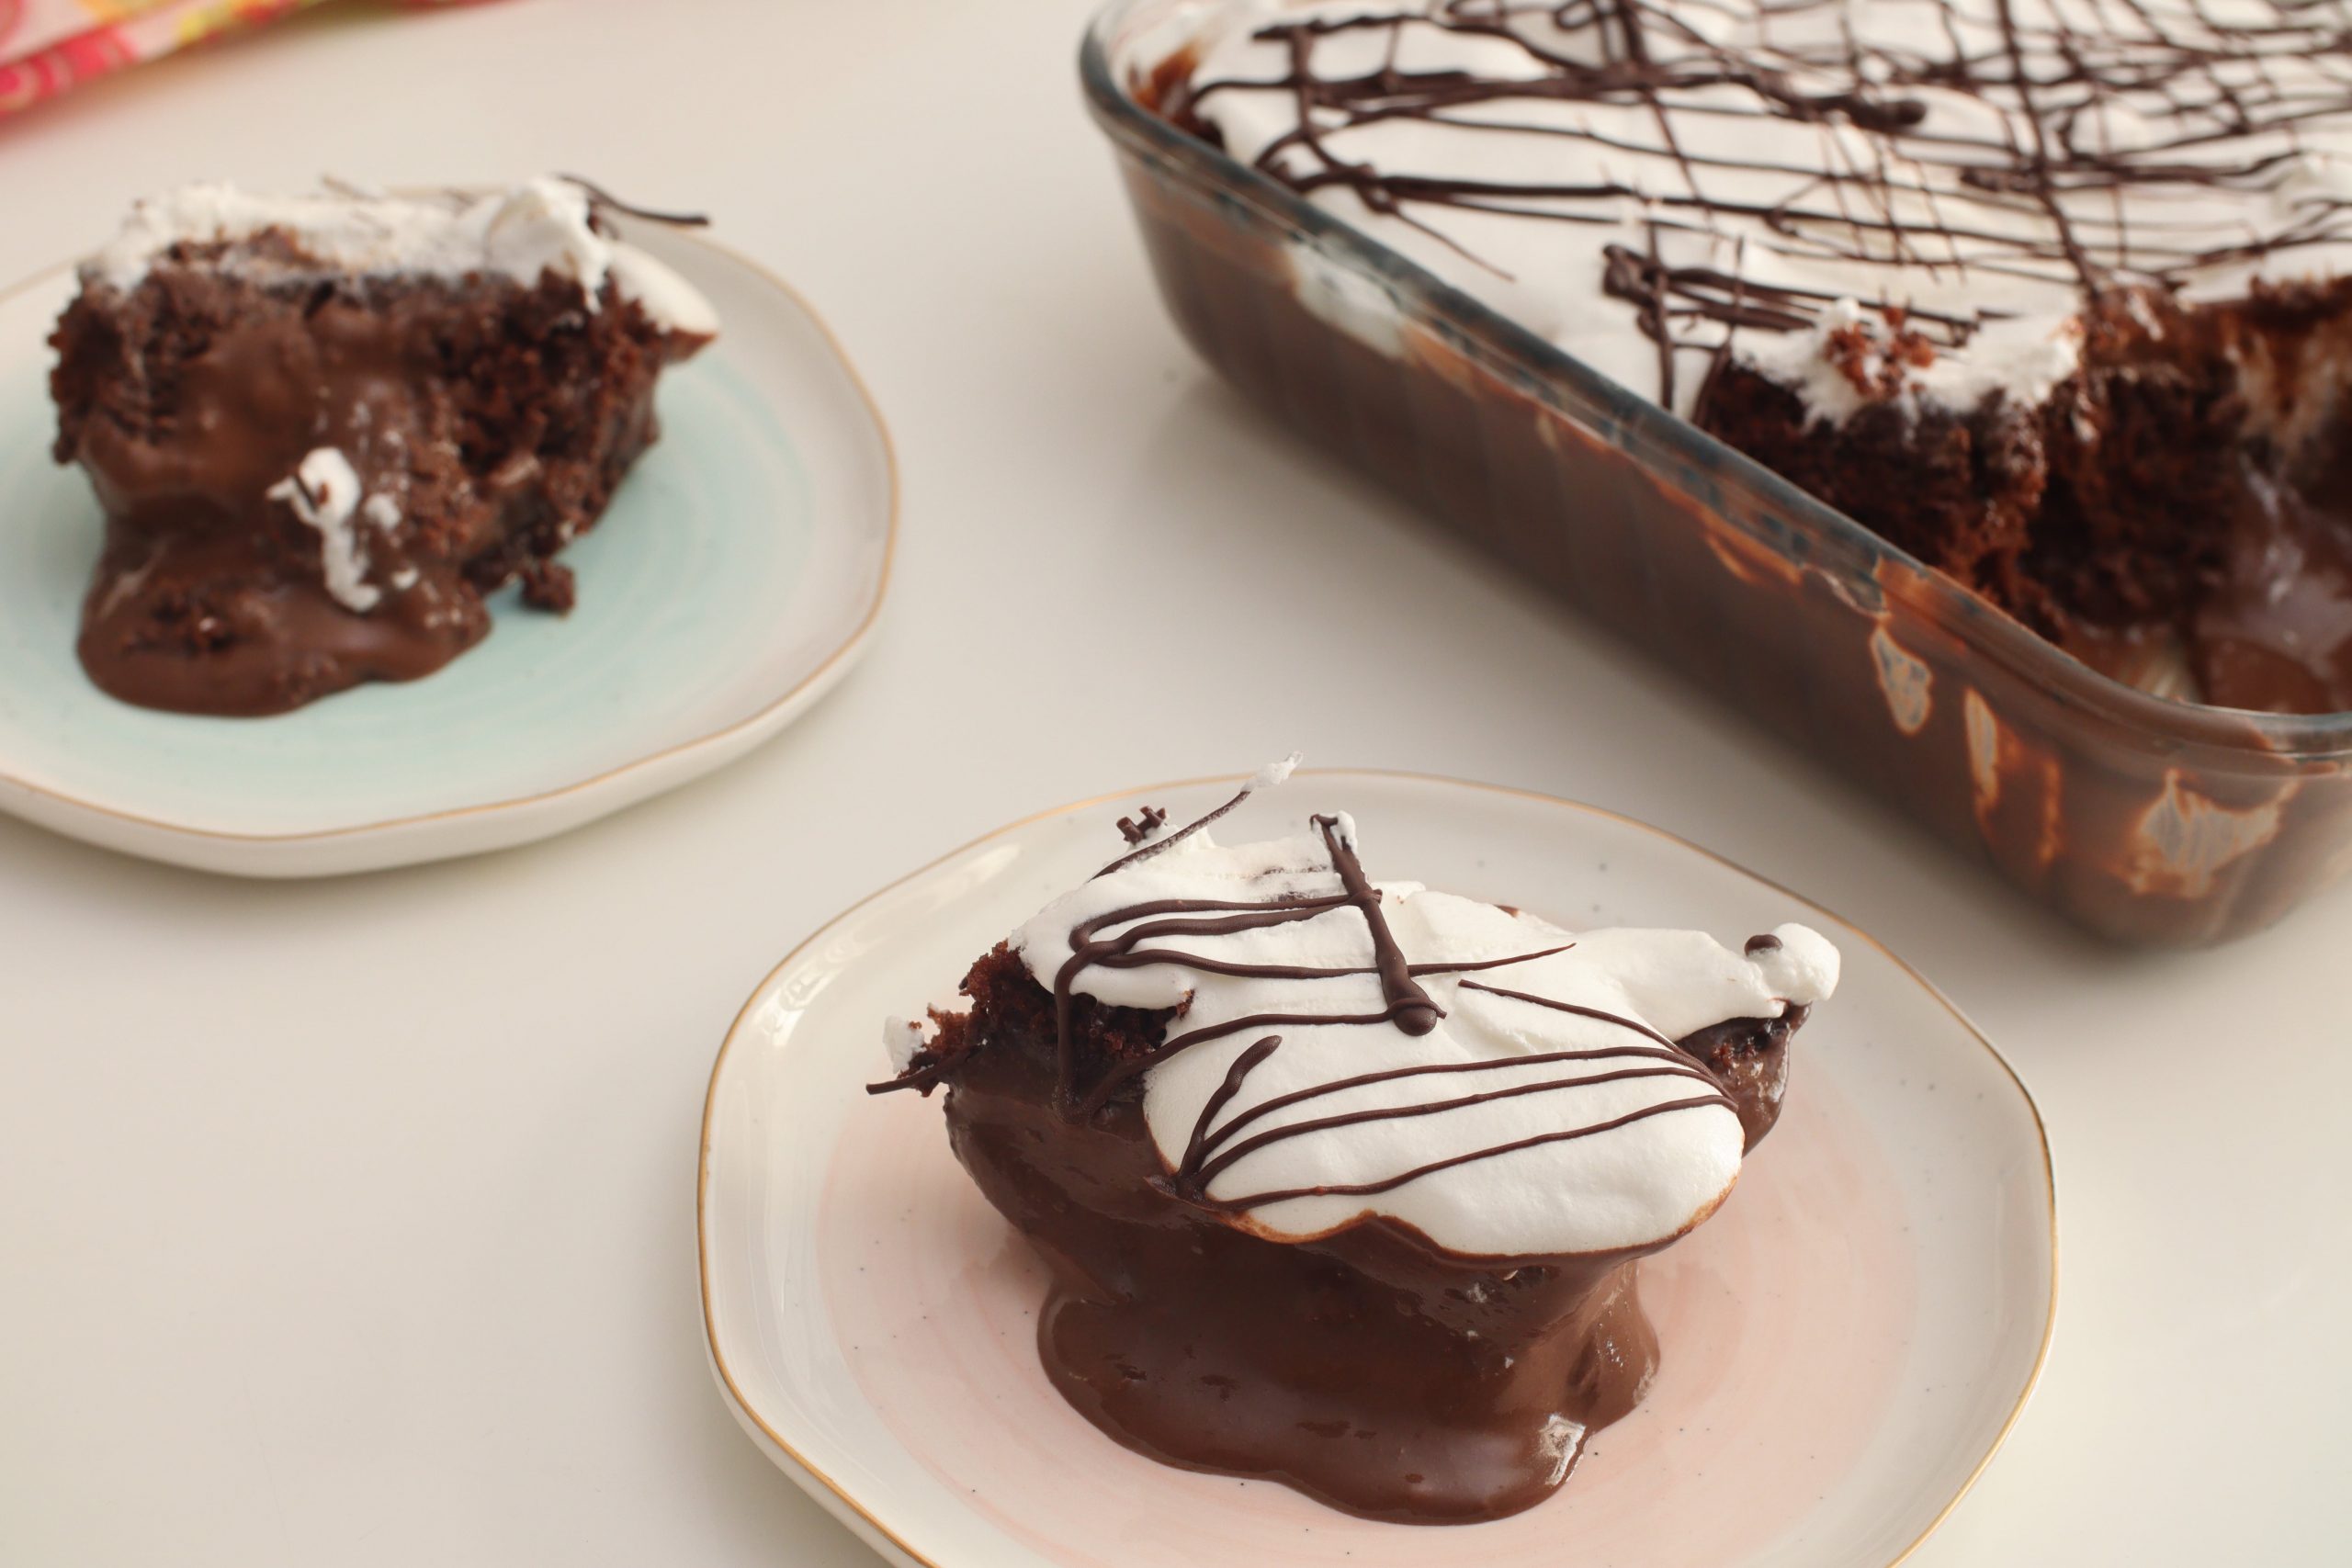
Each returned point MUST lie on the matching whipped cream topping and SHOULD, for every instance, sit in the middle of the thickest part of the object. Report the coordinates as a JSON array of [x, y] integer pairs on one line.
[[539, 226], [1517, 1077], [1653, 186], [902, 1037], [2023, 361], [323, 492]]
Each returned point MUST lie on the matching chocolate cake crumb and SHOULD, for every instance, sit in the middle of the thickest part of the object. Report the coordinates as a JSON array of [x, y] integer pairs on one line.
[[547, 585], [1012, 1012]]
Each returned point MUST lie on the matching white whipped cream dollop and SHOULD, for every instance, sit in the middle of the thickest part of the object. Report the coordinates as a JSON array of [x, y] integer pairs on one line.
[[2024, 361], [902, 1037], [538, 226], [1634, 1184], [2216, 149], [323, 492]]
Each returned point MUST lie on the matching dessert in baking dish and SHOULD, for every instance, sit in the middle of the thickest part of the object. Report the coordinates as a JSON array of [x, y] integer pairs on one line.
[[2049, 293], [324, 427], [1344, 1183]]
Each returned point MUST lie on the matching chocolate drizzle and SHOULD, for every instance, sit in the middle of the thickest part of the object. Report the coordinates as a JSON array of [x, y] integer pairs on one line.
[[1151, 846], [1206, 1155], [1408, 1006], [1214, 1148], [606, 199], [1142, 825], [1997, 140]]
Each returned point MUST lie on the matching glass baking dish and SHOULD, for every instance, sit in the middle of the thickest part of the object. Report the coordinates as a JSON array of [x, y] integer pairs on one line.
[[2150, 821]]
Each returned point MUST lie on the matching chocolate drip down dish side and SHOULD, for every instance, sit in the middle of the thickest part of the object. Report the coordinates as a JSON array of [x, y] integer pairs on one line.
[[1344, 1183], [2054, 295], [325, 428]]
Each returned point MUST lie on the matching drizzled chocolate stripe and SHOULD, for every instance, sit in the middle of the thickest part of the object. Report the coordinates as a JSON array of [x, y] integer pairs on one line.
[[1578, 1007], [605, 198], [1100, 1095], [1430, 1069], [1408, 1006], [2207, 93], [1210, 1152], [1087, 950], [1139, 833], [1390, 1183], [1235, 1076], [1213, 1166], [1123, 953], [1212, 1149]]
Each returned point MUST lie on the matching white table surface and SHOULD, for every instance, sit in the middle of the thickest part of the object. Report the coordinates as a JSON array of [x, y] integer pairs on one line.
[[353, 1223]]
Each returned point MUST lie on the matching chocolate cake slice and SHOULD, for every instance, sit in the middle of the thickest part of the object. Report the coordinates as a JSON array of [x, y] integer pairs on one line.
[[2056, 297], [1344, 1184], [325, 428]]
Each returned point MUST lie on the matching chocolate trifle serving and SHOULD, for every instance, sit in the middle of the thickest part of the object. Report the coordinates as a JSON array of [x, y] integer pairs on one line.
[[324, 427], [1344, 1183], [2053, 295]]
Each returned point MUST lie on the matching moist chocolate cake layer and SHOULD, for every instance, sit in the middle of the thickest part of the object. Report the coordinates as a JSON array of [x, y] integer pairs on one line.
[[2148, 517], [485, 423]]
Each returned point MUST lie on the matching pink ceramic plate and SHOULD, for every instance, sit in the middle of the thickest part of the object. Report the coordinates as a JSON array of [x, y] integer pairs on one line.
[[1844, 1344]]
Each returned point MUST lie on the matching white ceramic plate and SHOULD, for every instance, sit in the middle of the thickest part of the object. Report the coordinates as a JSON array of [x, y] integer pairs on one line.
[[734, 577], [1844, 1344]]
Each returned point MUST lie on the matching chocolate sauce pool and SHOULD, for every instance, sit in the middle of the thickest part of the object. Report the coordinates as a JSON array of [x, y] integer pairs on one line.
[[1370, 1369]]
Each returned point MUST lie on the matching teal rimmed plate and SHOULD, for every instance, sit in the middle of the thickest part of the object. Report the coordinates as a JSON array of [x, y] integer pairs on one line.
[[735, 577]]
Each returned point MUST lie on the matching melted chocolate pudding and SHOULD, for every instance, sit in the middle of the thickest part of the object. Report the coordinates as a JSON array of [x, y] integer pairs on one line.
[[480, 424], [1364, 1364]]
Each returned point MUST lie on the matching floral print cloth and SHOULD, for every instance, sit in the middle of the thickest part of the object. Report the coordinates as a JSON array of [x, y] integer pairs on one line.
[[48, 45]]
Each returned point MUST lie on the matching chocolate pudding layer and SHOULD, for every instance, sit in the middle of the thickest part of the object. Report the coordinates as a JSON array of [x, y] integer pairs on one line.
[[313, 476], [1345, 1185]]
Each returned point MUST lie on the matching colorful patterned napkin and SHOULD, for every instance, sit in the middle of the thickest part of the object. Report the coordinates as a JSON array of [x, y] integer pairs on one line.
[[48, 46]]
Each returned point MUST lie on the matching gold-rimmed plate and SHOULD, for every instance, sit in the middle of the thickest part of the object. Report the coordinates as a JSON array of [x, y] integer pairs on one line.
[[1845, 1345], [732, 582]]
